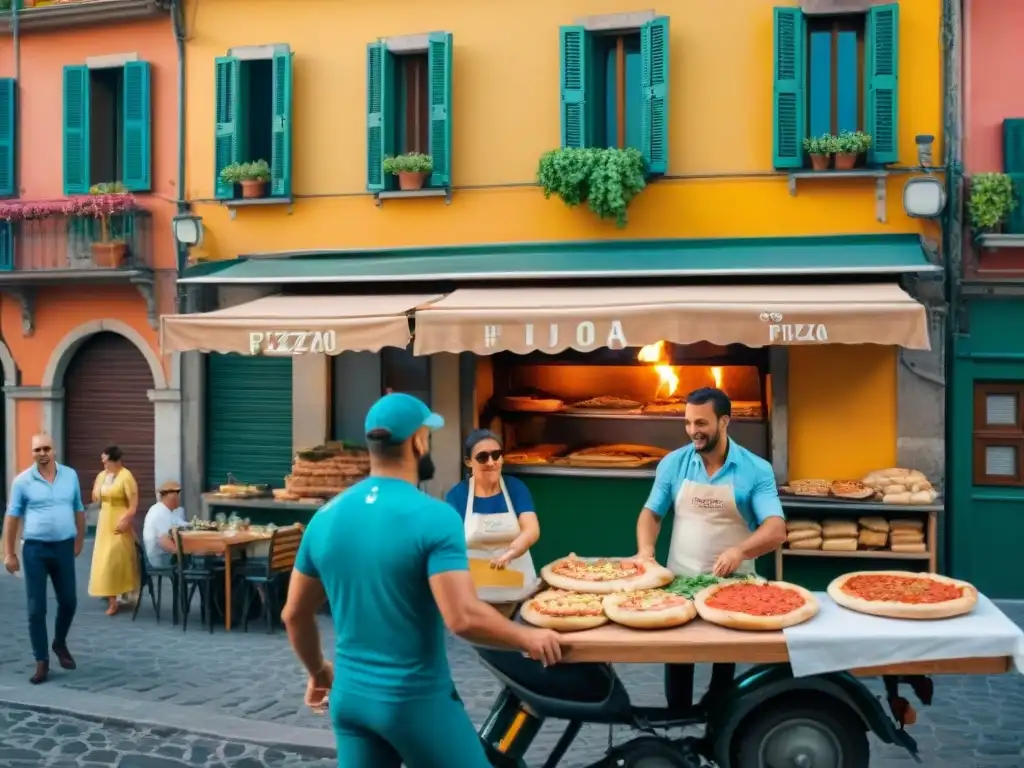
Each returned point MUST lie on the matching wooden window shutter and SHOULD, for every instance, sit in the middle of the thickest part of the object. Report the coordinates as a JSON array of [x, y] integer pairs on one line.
[[6, 246], [8, 144], [1013, 166], [575, 71], [76, 130], [380, 128], [789, 100], [281, 130], [882, 78], [654, 52], [439, 75], [227, 150], [136, 157]]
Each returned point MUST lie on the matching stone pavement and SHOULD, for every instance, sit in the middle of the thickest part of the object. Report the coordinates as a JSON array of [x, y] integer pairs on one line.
[[160, 674]]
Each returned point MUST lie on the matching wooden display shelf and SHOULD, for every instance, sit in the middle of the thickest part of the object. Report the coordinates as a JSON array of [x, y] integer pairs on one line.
[[868, 554]]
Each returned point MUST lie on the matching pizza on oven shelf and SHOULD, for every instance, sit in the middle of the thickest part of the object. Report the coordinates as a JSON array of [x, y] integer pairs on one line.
[[903, 594], [649, 609], [622, 455], [565, 611], [607, 403], [756, 605], [605, 575]]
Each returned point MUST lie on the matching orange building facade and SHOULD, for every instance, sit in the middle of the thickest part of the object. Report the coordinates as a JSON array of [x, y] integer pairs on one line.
[[88, 118]]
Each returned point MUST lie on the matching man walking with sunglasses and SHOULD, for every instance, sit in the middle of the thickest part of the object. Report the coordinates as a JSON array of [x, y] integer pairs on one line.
[[46, 509]]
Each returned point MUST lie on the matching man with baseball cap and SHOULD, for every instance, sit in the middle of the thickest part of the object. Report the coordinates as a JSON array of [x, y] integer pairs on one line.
[[391, 562]]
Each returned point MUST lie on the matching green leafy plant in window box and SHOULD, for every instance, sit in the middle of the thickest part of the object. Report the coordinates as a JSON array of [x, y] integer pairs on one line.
[[991, 200], [820, 148], [252, 177], [412, 169], [849, 146], [606, 180]]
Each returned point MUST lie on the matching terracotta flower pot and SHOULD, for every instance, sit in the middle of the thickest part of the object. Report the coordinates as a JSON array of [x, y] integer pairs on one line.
[[820, 162], [253, 188], [845, 161], [109, 255], [410, 180]]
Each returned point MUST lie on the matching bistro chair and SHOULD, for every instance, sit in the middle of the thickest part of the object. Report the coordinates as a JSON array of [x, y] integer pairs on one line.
[[196, 573], [149, 572], [263, 577]]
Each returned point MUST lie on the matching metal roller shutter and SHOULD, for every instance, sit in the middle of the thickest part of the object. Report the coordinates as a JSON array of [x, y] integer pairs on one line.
[[248, 419]]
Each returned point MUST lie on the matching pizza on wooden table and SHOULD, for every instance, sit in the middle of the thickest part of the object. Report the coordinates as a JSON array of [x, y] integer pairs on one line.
[[564, 611], [903, 594], [605, 575], [756, 605], [649, 609]]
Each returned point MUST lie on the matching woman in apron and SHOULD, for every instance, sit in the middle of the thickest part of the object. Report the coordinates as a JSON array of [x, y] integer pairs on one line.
[[500, 523]]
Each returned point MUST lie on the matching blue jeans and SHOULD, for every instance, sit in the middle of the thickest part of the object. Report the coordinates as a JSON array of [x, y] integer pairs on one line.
[[56, 560]]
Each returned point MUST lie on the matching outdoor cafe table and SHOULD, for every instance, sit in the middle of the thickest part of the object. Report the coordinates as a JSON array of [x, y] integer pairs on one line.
[[220, 543]]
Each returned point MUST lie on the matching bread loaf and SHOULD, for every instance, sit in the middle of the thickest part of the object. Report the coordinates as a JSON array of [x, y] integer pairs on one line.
[[906, 537], [897, 498], [848, 544], [908, 547], [814, 543], [869, 539], [922, 497], [879, 524], [802, 535], [901, 524], [839, 529], [803, 525]]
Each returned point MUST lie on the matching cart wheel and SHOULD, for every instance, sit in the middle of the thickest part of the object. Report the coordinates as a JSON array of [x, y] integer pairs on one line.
[[652, 752], [802, 735]]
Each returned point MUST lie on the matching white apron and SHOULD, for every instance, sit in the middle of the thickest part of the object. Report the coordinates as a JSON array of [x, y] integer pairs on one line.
[[706, 524], [487, 536]]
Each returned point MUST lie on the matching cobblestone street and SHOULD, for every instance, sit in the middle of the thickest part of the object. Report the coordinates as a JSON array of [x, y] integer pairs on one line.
[[975, 722]]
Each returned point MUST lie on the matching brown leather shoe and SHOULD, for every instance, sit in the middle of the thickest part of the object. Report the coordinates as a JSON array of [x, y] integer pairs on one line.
[[42, 672], [67, 661]]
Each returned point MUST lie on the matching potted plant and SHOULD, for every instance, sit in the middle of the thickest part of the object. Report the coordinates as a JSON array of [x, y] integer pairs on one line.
[[411, 169], [820, 149], [606, 179], [109, 251], [252, 177], [849, 146], [991, 199]]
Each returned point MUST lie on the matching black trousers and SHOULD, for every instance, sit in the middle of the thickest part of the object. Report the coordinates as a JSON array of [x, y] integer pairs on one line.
[[679, 683]]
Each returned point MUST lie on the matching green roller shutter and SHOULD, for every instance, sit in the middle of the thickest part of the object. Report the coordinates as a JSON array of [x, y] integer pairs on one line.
[[136, 157], [248, 419], [227, 131], [439, 74], [76, 130], [8, 127], [654, 45], [1013, 165], [575, 63], [882, 82], [281, 147], [789, 100], [380, 128]]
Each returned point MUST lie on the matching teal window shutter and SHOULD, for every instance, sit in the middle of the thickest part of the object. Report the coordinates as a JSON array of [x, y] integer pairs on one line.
[[76, 130], [227, 149], [819, 88], [6, 246], [380, 107], [575, 71], [439, 86], [8, 146], [1013, 166], [136, 159], [881, 112], [281, 140], [654, 46], [789, 100]]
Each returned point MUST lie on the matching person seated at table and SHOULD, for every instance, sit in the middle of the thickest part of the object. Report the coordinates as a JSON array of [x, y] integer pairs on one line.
[[162, 517]]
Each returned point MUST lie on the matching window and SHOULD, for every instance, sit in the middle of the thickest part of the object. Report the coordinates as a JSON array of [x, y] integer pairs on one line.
[[1013, 166], [614, 89], [836, 73], [107, 127], [254, 115], [408, 103], [998, 434]]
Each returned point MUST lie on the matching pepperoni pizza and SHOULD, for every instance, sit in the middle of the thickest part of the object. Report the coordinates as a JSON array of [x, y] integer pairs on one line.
[[605, 575], [758, 605], [649, 609], [903, 595], [563, 610]]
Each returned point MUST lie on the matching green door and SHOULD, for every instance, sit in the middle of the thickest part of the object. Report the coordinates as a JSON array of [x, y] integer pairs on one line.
[[248, 419]]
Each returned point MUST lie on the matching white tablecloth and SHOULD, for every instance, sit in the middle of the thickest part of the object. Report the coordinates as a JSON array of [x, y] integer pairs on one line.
[[839, 639]]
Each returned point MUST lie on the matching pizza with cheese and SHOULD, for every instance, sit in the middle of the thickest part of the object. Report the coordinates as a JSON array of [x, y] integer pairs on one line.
[[851, 489], [649, 609], [903, 594], [605, 575], [564, 611], [764, 605], [807, 487]]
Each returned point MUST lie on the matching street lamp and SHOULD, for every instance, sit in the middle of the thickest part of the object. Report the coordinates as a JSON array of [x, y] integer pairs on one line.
[[924, 197], [188, 230]]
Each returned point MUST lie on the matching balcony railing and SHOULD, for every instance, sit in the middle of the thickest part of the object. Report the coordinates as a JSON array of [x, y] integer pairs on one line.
[[43, 14]]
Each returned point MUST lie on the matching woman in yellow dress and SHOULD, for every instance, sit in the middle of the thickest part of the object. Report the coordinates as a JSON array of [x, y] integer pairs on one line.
[[114, 562]]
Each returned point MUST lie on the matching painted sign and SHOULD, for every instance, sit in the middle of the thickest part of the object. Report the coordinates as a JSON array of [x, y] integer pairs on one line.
[[293, 343], [793, 333], [583, 336]]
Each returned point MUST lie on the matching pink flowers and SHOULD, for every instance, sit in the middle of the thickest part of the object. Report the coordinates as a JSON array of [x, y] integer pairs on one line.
[[92, 206]]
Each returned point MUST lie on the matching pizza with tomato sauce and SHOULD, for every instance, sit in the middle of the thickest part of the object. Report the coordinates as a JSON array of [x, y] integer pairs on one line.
[[564, 611], [649, 609], [903, 594], [605, 575], [759, 605]]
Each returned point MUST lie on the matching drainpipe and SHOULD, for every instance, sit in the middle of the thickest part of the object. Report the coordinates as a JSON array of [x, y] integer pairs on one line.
[[178, 24]]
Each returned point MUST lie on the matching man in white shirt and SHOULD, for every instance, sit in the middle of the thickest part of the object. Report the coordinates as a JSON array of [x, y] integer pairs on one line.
[[161, 518]]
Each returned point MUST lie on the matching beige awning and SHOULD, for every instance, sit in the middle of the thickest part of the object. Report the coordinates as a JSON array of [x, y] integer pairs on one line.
[[295, 325], [521, 320]]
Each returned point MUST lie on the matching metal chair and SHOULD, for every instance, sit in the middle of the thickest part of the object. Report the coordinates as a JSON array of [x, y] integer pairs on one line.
[[147, 572], [264, 577], [196, 573]]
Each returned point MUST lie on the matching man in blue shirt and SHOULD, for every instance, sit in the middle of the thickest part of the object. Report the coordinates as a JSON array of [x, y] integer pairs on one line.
[[726, 513], [391, 562], [46, 510]]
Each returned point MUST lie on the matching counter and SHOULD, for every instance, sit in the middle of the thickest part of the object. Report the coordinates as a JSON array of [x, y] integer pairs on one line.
[[260, 511]]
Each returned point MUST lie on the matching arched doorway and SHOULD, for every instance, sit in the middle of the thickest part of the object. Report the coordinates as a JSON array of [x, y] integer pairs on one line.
[[106, 402]]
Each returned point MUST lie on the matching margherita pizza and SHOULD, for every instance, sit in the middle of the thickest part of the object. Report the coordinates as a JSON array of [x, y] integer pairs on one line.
[[903, 595], [564, 611], [649, 609], [766, 605], [604, 575]]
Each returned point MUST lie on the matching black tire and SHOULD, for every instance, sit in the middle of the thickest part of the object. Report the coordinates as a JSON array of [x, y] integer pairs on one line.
[[836, 731], [649, 752]]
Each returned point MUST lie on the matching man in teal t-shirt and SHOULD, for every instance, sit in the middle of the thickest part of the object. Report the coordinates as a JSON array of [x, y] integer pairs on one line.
[[391, 562]]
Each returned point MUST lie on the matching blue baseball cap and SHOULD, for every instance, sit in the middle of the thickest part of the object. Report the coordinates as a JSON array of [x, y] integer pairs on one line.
[[399, 416]]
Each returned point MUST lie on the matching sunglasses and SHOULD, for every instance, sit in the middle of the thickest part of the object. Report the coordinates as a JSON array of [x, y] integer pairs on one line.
[[483, 456], [42, 449]]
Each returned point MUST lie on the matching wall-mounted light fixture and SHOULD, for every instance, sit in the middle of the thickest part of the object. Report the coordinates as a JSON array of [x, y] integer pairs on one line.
[[188, 230], [924, 197]]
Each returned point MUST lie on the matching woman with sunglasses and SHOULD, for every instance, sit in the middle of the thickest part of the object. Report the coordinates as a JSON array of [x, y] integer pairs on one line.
[[500, 523]]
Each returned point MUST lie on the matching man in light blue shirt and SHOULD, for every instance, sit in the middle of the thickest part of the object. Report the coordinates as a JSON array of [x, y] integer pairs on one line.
[[726, 513], [46, 510]]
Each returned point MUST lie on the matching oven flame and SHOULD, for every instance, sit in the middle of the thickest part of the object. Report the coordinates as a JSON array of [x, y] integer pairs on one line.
[[716, 374], [668, 380]]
